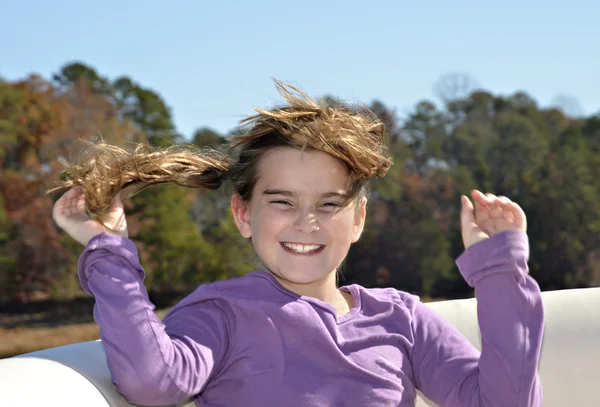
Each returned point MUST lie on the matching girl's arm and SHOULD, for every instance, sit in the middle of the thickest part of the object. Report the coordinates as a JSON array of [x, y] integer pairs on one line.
[[151, 363], [449, 370]]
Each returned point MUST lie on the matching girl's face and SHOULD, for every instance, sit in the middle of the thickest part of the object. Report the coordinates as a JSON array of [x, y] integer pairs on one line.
[[297, 229]]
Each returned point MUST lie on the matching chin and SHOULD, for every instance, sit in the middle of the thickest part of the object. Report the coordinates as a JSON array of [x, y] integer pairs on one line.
[[301, 276]]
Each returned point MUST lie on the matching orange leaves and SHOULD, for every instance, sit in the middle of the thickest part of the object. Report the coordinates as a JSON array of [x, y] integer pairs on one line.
[[38, 126]]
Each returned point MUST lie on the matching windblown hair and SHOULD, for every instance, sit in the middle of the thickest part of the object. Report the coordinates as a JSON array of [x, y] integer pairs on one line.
[[352, 135]]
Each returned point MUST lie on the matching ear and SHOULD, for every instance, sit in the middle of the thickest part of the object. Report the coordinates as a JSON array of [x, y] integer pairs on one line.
[[241, 215], [359, 221]]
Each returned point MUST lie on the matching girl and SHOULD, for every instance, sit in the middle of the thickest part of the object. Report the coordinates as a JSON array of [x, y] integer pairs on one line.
[[286, 334]]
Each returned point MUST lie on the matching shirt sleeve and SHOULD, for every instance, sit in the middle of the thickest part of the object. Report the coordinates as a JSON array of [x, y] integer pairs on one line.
[[449, 370], [151, 362]]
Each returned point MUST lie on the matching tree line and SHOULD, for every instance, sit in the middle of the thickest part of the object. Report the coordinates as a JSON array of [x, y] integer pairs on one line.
[[543, 158]]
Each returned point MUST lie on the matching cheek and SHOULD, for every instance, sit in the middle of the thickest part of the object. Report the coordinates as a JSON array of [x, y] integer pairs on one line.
[[268, 222], [342, 226]]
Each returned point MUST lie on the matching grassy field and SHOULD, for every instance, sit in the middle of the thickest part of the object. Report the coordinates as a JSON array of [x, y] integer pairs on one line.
[[29, 336]]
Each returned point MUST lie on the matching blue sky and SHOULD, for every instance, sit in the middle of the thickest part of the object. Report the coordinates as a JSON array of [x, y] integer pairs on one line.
[[213, 62]]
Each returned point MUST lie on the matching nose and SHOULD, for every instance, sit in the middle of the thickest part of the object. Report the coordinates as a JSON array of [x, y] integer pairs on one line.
[[306, 222]]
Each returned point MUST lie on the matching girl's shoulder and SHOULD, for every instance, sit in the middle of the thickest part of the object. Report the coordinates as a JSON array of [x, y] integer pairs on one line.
[[227, 293]]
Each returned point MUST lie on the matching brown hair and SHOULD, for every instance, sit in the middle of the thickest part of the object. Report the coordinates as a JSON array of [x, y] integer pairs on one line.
[[351, 134]]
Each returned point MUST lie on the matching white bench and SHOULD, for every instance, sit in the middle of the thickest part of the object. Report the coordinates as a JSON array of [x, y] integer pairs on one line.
[[77, 376]]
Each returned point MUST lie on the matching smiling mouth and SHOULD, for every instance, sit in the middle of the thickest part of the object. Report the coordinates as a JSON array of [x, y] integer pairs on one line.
[[302, 249]]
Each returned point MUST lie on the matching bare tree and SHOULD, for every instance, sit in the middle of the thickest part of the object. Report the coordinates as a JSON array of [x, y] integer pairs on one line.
[[453, 86], [568, 105]]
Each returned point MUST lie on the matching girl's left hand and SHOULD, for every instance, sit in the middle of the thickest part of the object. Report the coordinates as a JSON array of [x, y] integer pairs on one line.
[[490, 215]]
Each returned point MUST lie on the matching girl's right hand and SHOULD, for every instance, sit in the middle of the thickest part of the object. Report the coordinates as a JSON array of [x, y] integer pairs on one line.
[[70, 215]]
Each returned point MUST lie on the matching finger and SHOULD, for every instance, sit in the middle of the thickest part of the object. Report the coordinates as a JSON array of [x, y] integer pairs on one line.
[[62, 203], [496, 209], [478, 196], [467, 213], [64, 197], [520, 220], [480, 201], [482, 214], [491, 200], [508, 216], [503, 200], [506, 211], [80, 205], [73, 192], [71, 197], [495, 206]]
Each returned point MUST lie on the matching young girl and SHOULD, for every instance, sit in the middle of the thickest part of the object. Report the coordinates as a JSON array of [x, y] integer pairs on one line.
[[285, 335]]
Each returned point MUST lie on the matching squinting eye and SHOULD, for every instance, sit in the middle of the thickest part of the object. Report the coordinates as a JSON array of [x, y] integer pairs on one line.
[[331, 204], [282, 203]]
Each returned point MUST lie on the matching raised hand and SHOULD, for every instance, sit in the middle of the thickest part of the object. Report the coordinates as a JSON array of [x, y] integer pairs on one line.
[[70, 215], [489, 215]]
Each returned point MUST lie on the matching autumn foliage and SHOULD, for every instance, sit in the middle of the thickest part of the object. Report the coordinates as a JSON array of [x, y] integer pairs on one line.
[[540, 157]]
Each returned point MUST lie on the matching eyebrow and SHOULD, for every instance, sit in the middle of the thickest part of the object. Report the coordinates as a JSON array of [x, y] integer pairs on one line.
[[292, 194]]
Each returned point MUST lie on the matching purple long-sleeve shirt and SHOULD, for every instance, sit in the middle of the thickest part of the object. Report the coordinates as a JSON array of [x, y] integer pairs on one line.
[[251, 342]]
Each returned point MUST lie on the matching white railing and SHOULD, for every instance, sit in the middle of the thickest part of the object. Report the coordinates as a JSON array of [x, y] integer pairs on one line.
[[77, 376]]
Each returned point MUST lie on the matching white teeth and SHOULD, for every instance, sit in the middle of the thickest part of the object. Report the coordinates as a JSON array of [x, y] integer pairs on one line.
[[302, 248]]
